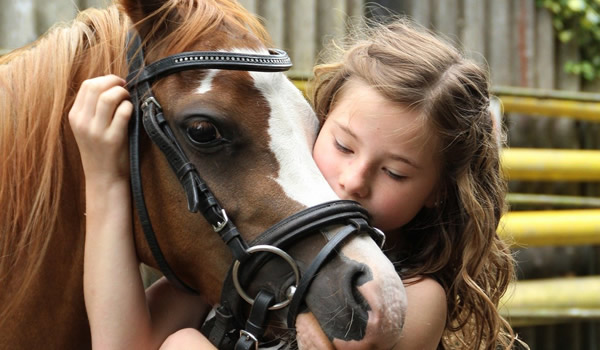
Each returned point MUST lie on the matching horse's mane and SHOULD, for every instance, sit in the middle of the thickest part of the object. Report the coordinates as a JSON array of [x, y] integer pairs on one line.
[[38, 84]]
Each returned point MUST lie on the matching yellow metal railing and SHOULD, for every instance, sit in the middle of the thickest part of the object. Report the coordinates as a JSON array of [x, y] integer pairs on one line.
[[552, 108], [552, 200], [534, 302], [551, 164], [551, 227], [550, 103], [552, 300]]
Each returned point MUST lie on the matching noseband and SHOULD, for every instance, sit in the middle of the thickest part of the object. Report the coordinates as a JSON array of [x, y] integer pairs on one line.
[[230, 321]]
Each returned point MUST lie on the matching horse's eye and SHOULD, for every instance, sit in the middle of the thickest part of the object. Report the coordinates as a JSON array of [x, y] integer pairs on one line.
[[202, 133]]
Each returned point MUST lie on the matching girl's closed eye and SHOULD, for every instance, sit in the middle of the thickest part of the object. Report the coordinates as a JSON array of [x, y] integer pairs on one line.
[[393, 175], [341, 147]]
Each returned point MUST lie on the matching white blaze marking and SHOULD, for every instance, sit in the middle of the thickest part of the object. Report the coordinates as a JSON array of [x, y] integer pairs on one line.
[[206, 83], [293, 127]]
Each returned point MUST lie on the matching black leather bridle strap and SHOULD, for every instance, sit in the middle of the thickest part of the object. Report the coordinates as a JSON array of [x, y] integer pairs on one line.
[[148, 111], [198, 194], [224, 322], [254, 330], [312, 270], [136, 60], [157, 128], [310, 219]]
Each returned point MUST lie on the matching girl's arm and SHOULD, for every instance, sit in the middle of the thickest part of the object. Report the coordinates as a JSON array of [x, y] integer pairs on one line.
[[114, 294], [118, 312], [113, 290]]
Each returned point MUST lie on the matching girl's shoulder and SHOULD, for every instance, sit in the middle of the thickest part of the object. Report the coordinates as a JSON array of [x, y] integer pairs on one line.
[[423, 281], [428, 290], [425, 315]]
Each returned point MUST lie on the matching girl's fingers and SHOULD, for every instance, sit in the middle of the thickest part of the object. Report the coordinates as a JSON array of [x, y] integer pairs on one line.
[[310, 334], [107, 104], [91, 90], [75, 114], [122, 116]]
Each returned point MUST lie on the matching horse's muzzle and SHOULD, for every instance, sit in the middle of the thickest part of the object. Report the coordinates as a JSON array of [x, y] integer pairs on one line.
[[359, 299]]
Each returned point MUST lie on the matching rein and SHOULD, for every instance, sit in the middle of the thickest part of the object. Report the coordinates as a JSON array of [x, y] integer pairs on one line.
[[230, 323]]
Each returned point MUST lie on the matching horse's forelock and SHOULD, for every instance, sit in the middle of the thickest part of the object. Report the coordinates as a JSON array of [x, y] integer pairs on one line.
[[195, 19]]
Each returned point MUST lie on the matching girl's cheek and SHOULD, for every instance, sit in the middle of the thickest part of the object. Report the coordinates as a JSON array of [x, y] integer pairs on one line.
[[328, 172], [320, 155]]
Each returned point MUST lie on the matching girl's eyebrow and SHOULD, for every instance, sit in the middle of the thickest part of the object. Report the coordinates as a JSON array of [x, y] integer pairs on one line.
[[403, 159], [345, 129]]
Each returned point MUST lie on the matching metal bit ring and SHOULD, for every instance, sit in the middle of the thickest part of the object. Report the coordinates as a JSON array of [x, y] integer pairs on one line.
[[270, 249]]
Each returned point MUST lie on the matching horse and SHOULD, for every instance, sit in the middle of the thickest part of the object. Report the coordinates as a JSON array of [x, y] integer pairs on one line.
[[246, 133]]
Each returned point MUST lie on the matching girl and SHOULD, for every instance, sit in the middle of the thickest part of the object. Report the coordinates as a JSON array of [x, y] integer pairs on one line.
[[406, 132]]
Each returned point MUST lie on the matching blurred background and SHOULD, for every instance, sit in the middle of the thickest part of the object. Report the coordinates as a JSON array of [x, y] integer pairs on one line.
[[544, 59]]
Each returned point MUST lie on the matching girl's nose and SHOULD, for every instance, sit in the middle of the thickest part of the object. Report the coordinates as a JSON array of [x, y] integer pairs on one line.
[[354, 180]]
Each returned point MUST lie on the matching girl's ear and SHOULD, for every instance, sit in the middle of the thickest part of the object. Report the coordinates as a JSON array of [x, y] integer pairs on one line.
[[434, 199], [431, 201]]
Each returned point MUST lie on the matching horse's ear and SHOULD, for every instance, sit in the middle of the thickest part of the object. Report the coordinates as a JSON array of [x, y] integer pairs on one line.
[[137, 10], [140, 9]]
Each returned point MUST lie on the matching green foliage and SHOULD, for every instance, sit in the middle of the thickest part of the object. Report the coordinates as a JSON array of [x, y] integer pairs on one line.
[[578, 21]]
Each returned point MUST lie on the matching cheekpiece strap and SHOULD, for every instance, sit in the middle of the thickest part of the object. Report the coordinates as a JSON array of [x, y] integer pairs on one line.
[[135, 59], [252, 334]]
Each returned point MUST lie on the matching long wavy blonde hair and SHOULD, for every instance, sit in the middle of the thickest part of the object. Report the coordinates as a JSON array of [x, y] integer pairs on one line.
[[456, 242], [38, 84]]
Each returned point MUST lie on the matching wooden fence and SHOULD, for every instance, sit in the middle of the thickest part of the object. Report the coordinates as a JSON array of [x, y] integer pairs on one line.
[[516, 40]]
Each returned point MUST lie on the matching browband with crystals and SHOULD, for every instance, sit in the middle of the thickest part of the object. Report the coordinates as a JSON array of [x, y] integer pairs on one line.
[[276, 61]]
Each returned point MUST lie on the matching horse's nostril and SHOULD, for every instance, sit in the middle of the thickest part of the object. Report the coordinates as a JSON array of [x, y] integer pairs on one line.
[[361, 275], [341, 305], [358, 276]]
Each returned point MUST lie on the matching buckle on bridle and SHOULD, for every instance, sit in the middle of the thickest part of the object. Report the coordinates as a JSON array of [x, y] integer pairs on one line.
[[378, 237], [249, 337], [220, 225], [151, 99]]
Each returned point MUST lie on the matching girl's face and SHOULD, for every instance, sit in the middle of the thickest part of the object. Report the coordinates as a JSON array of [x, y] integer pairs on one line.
[[377, 153]]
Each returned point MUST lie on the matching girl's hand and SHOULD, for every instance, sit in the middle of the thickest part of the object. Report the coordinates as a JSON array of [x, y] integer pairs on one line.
[[99, 119], [309, 333]]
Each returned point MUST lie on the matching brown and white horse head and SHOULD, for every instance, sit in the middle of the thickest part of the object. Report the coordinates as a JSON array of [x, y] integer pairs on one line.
[[250, 134]]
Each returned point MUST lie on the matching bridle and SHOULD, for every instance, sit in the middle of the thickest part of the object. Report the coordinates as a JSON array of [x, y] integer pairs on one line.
[[229, 315], [230, 321]]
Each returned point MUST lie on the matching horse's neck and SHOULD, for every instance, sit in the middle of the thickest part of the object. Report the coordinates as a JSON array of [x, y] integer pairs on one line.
[[54, 305]]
